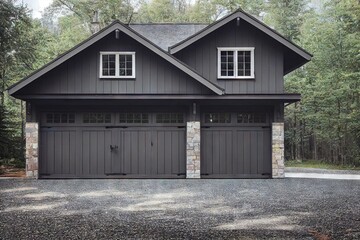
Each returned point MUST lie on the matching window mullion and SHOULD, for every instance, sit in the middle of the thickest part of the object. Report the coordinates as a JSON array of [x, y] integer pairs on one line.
[[117, 65], [236, 63]]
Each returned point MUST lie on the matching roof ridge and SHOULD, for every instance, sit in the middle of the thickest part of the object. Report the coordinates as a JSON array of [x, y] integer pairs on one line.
[[169, 23]]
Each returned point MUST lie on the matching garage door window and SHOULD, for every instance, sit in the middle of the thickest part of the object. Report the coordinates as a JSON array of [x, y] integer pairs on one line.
[[97, 118], [60, 118], [169, 118], [133, 118], [217, 118], [251, 117]]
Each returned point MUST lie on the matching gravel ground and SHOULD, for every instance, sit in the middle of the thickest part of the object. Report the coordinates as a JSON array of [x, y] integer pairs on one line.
[[174, 209]]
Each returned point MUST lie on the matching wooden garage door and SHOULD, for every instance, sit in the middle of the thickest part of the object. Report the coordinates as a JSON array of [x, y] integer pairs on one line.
[[109, 145], [235, 145]]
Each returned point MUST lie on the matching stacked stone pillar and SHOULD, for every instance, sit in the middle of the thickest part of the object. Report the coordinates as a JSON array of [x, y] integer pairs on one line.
[[32, 149], [278, 167], [193, 149]]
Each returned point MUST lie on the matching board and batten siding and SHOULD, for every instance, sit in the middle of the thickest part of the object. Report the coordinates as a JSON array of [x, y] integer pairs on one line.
[[80, 74], [202, 56]]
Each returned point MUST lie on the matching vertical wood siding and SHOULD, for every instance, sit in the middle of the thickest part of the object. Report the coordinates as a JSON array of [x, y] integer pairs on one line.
[[235, 152], [80, 74], [202, 56]]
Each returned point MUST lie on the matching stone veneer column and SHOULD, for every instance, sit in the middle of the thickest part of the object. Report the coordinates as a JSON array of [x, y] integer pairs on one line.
[[193, 149], [32, 146], [278, 170]]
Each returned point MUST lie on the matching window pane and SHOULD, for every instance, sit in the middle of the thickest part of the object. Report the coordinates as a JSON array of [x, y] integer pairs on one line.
[[217, 118], [49, 118], [251, 117], [100, 118], [71, 118], [108, 64], [227, 63], [64, 118], [108, 118], [86, 118], [57, 118], [169, 118]]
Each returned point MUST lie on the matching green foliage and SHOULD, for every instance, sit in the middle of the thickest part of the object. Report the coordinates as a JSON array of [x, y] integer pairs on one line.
[[327, 119]]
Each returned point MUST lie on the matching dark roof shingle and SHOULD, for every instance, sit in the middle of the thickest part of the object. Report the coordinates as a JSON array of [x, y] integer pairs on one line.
[[166, 35]]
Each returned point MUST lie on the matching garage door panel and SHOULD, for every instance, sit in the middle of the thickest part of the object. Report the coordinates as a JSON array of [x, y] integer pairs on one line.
[[44, 148], [206, 153], [254, 152], [94, 152], [260, 144], [58, 152], [177, 152], [160, 135], [167, 152], [235, 152], [142, 152]]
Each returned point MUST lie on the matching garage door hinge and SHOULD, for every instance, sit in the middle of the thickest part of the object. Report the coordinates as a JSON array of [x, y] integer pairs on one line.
[[204, 174], [116, 127], [181, 174], [265, 127], [205, 127], [181, 126], [266, 174]]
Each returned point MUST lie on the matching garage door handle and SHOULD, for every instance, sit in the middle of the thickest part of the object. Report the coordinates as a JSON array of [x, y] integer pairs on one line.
[[113, 147]]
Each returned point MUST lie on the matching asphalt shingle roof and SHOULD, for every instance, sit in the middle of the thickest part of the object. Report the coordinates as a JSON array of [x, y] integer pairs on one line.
[[166, 35]]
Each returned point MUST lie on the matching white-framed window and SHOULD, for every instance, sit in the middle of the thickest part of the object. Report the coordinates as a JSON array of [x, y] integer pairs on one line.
[[236, 63], [117, 64]]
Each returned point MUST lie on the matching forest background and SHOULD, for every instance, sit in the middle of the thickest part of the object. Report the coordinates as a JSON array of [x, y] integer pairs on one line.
[[323, 127]]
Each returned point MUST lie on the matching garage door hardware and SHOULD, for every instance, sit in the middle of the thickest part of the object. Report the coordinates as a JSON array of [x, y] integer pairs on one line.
[[181, 126], [116, 127], [204, 174], [113, 147], [265, 126], [181, 174], [266, 174], [205, 127]]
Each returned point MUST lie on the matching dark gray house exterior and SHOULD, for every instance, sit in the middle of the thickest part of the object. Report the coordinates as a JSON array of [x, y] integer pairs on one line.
[[163, 101]]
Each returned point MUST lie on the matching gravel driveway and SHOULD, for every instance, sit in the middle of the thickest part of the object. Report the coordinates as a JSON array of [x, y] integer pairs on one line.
[[165, 209]]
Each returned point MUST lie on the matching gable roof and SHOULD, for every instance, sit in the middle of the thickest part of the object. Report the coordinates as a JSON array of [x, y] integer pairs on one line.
[[164, 35], [251, 20], [104, 32]]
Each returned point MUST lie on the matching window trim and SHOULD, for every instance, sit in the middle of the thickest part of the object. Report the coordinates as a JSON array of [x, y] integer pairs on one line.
[[117, 64], [235, 50]]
